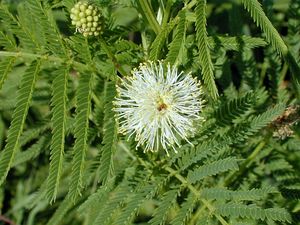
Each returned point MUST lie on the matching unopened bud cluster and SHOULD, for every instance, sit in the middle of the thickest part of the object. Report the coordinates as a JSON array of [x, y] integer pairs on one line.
[[86, 18]]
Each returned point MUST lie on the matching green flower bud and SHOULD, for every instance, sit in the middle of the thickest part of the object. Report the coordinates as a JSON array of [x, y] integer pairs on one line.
[[95, 24], [88, 12], [86, 18], [89, 18], [78, 24], [82, 7], [81, 14]]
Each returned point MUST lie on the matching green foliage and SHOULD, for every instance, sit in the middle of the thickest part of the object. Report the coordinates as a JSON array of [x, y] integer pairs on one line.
[[253, 194], [185, 211], [204, 53], [157, 44], [177, 45], [45, 26], [134, 202], [211, 169], [110, 135], [63, 159], [59, 103], [254, 212], [5, 68], [233, 109], [104, 216], [81, 133], [22, 105], [264, 23]]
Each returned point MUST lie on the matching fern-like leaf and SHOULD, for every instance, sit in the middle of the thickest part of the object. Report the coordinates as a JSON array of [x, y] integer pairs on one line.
[[233, 109], [213, 168], [18, 119], [134, 202], [96, 197], [59, 114], [119, 196], [161, 212], [60, 212], [222, 193], [246, 130], [31, 152], [25, 37], [238, 43], [177, 45], [265, 118], [204, 53], [81, 46], [81, 133], [258, 15], [110, 135], [7, 42], [5, 68], [157, 45], [47, 26], [236, 210], [291, 192], [185, 210]]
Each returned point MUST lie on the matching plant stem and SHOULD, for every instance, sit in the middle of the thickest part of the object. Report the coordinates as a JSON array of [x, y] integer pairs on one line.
[[195, 192], [283, 73], [43, 57], [150, 16], [6, 220], [191, 4], [167, 13], [245, 165]]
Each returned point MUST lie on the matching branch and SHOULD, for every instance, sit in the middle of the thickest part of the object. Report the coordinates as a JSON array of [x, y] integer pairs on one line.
[[149, 15], [6, 220]]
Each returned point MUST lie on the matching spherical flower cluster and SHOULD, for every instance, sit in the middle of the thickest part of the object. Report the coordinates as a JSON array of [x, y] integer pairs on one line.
[[158, 105], [86, 18]]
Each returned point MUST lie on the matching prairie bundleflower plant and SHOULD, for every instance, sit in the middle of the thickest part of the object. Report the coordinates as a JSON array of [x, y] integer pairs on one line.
[[158, 105]]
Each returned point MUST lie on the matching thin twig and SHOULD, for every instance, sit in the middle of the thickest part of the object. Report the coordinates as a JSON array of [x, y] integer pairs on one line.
[[6, 220]]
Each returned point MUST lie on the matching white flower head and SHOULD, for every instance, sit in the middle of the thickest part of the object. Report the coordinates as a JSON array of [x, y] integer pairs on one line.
[[158, 105]]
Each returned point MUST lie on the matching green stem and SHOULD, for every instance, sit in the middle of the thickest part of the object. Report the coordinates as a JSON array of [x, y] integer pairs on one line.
[[191, 4], [245, 165], [43, 57], [263, 72], [195, 192], [283, 73], [113, 58], [150, 16], [167, 13]]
